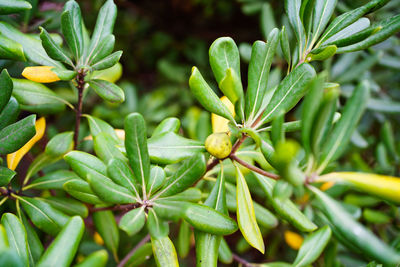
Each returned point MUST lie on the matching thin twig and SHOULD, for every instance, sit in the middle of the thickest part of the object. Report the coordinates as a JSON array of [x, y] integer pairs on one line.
[[126, 207], [241, 260], [134, 249], [254, 168], [80, 80]]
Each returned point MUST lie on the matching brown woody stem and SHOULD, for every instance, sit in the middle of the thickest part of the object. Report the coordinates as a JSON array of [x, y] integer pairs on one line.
[[126, 207], [241, 260], [254, 168], [80, 80]]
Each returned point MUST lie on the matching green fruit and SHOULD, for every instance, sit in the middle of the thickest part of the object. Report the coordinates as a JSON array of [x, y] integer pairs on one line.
[[219, 145]]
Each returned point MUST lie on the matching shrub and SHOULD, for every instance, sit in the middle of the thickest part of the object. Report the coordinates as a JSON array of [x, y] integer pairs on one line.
[[123, 198]]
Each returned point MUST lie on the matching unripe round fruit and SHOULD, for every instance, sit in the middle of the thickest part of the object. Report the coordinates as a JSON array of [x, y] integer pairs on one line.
[[219, 145]]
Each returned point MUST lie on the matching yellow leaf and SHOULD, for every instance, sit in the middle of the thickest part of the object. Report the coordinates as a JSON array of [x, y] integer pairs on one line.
[[14, 158], [294, 240], [325, 186], [97, 239], [40, 74], [220, 124], [387, 187]]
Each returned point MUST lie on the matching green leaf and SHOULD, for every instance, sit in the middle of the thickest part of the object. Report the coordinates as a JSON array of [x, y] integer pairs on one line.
[[36, 97], [39, 162], [323, 11], [282, 189], [133, 221], [209, 220], [277, 132], [184, 236], [35, 247], [188, 173], [14, 136], [376, 217], [245, 214], [292, 8], [354, 232], [388, 139], [223, 55], [359, 69], [60, 144], [170, 209], [285, 46], [169, 147], [157, 178], [206, 96], [17, 237], [108, 191], [262, 55], [136, 148], [107, 90], [157, 227], [322, 54], [10, 113], [192, 194], [164, 252], [53, 49], [11, 258], [312, 247], [13, 6], [286, 209], [6, 175], [324, 118], [339, 137], [6, 88], [106, 148], [207, 245], [346, 19], [97, 126], [167, 125], [350, 30], [121, 174], [98, 258], [389, 27], [231, 86], [103, 50], [53, 180], [32, 47], [65, 75], [357, 37], [69, 206], [310, 107], [10, 49], [108, 61], [43, 215], [83, 163], [104, 26], [4, 245], [71, 26], [289, 92], [106, 225], [81, 190], [62, 250], [206, 249], [267, 19]]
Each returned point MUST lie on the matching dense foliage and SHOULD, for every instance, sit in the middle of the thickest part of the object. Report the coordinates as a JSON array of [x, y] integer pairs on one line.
[[292, 162]]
